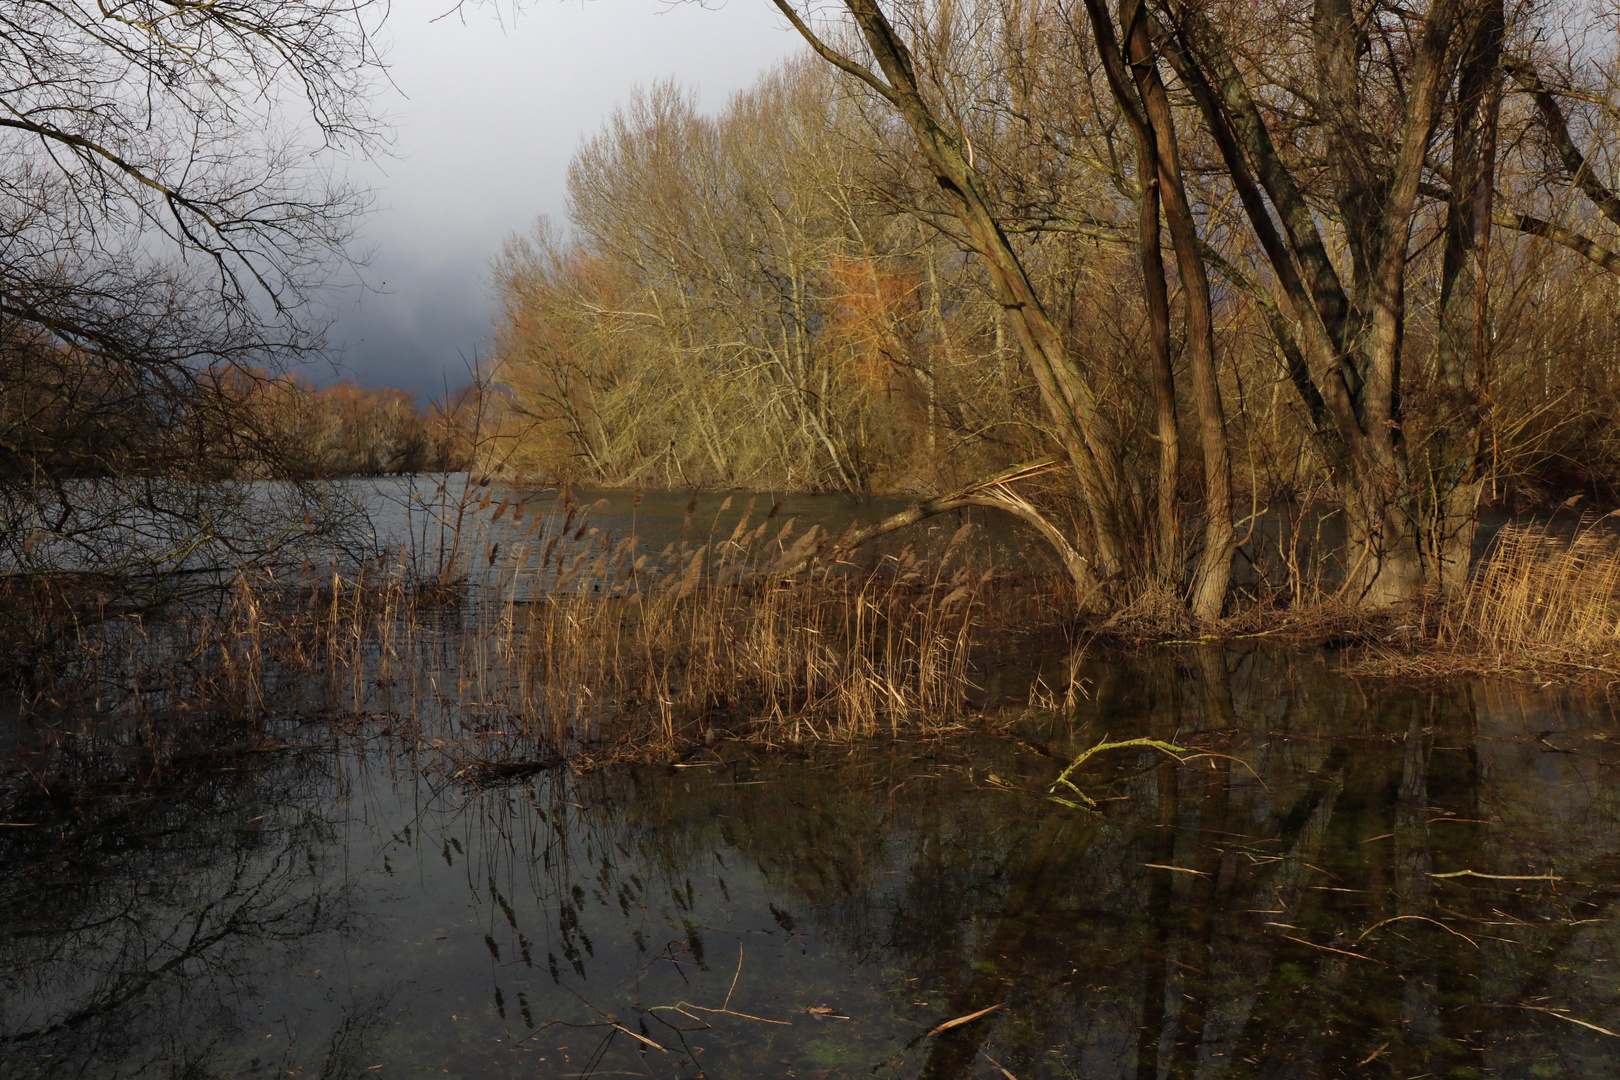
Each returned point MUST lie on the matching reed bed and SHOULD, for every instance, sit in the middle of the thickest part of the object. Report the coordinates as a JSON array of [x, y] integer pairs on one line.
[[615, 648], [542, 644], [1541, 597], [546, 641]]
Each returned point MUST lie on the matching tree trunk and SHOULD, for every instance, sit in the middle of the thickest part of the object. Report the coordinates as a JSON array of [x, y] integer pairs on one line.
[[1213, 573], [1384, 566], [1455, 448], [1085, 433], [1142, 98], [1156, 294]]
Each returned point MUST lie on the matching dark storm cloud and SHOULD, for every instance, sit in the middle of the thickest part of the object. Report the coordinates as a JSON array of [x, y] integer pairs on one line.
[[423, 328]]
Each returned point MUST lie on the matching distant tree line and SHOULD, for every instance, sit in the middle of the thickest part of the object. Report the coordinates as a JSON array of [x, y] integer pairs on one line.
[[64, 417], [348, 430], [1184, 260]]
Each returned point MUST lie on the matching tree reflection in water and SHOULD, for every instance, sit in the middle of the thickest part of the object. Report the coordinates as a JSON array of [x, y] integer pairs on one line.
[[1409, 881], [136, 927]]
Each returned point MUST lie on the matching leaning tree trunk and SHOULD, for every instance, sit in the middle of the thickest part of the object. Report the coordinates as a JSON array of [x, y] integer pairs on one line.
[[1084, 431]]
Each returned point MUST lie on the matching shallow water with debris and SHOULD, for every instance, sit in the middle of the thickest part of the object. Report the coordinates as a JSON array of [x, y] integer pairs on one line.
[[1358, 879]]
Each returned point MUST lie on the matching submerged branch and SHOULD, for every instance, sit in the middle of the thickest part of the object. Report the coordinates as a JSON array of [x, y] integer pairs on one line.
[[1173, 750]]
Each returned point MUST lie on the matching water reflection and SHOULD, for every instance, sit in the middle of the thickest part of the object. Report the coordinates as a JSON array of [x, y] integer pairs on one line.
[[136, 929], [1379, 881]]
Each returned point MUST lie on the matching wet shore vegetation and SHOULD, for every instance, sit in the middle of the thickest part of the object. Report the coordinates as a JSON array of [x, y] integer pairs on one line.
[[548, 643], [1242, 347], [1362, 268]]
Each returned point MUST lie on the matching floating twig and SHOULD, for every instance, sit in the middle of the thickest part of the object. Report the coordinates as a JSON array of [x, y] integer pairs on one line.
[[1370, 1058], [960, 1020], [1331, 949], [997, 1064], [1549, 876], [725, 1008], [1561, 1016]]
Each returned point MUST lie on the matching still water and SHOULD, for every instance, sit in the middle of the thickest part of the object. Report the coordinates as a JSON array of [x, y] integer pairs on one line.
[[1378, 880]]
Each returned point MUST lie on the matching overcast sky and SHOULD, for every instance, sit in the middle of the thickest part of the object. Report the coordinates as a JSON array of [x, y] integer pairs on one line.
[[487, 113]]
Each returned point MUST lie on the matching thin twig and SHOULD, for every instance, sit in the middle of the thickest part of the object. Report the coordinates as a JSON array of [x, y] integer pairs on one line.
[[1561, 1016], [960, 1020], [1549, 876], [1423, 918], [1331, 949]]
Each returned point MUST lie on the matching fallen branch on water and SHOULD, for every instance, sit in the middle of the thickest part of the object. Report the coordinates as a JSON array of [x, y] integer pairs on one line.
[[1181, 755]]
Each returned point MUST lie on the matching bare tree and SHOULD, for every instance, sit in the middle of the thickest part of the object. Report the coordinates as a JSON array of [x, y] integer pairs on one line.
[[164, 217], [733, 307], [1082, 428]]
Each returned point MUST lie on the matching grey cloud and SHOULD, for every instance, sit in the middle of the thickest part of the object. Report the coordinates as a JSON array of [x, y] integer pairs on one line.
[[489, 118]]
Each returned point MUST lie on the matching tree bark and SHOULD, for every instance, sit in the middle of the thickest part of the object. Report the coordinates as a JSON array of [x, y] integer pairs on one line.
[[1456, 446], [1142, 97]]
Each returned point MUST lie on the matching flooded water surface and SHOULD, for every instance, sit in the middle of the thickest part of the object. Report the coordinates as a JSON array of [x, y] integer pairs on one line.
[[1361, 879]]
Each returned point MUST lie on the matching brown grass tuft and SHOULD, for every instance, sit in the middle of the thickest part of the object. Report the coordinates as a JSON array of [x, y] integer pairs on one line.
[[1541, 599], [1540, 590], [1544, 604]]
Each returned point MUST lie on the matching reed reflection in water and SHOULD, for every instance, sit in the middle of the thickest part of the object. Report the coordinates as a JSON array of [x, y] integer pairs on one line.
[[1379, 881]]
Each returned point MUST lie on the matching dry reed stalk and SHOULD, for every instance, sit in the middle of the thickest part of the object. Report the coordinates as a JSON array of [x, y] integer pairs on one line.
[[718, 640], [1557, 596], [556, 641]]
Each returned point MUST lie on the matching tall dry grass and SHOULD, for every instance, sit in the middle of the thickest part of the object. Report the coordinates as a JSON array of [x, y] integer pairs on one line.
[[542, 644], [615, 647], [1542, 595]]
